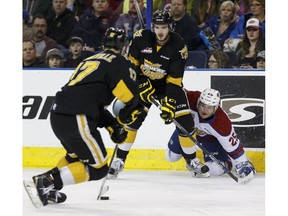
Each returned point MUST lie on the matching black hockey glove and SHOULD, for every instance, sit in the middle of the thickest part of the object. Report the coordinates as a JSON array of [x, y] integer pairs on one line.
[[117, 133], [146, 90], [168, 109], [127, 118]]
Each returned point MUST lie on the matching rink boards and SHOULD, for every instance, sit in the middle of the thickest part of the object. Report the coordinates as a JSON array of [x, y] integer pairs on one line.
[[238, 89]]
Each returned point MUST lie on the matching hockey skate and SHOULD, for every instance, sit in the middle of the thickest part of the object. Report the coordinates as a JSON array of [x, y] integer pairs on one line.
[[56, 196], [45, 187], [197, 169], [116, 167]]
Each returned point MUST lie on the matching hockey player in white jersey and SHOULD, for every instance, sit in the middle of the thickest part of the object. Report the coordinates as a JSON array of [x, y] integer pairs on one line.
[[216, 133]]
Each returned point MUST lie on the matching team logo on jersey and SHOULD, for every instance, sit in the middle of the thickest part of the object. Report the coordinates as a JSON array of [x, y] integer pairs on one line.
[[244, 112], [147, 50], [184, 52], [138, 33], [152, 70]]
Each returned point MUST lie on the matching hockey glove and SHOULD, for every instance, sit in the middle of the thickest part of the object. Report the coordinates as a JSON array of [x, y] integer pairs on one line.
[[246, 171], [125, 118], [168, 109], [146, 90], [117, 133]]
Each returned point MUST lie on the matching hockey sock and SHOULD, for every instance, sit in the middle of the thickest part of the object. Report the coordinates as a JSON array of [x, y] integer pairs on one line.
[[189, 157], [122, 154]]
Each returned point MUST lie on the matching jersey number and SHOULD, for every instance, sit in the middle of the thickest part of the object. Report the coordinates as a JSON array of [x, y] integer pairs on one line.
[[82, 71], [233, 139]]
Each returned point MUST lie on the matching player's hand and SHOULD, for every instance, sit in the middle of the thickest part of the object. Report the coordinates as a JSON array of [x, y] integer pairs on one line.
[[245, 171], [117, 133], [146, 90], [125, 118], [168, 109]]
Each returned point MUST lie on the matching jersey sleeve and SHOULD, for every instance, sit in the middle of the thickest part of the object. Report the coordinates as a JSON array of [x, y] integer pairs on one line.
[[176, 69], [123, 79], [134, 50], [227, 137], [178, 61]]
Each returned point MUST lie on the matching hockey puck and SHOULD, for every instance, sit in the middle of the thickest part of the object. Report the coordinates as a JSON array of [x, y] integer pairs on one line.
[[104, 197]]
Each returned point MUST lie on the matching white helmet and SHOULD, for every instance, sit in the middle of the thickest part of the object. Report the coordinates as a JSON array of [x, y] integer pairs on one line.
[[210, 97]]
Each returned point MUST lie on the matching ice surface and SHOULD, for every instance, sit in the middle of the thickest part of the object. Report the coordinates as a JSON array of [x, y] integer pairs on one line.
[[159, 193]]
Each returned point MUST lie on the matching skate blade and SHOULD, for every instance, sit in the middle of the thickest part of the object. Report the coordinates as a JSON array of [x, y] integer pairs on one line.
[[32, 193]]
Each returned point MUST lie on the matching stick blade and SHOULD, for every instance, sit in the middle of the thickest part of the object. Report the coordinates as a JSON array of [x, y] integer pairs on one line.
[[103, 191]]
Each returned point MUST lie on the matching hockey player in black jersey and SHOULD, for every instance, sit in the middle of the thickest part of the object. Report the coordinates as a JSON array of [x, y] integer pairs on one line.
[[79, 109], [160, 55]]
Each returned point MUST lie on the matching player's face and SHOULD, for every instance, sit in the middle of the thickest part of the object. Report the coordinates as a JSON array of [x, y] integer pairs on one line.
[[205, 111], [161, 32]]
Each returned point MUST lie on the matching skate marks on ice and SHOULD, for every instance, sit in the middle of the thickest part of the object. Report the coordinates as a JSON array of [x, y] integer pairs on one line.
[[149, 193]]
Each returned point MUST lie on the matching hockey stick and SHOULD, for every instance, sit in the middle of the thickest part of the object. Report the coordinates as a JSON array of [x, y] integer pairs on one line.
[[103, 189], [141, 20], [186, 133]]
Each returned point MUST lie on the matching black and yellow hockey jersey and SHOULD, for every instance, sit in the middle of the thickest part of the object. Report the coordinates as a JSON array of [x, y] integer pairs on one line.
[[95, 83], [162, 65]]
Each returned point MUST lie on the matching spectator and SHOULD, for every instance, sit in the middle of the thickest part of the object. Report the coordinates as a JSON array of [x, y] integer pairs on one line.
[[257, 8], [252, 43], [60, 22], [243, 7], [202, 10], [42, 42], [185, 25], [116, 6], [78, 7], [260, 60], [130, 21], [222, 25], [27, 30], [160, 4], [217, 59], [76, 53], [54, 59], [29, 55], [93, 24], [42, 7]]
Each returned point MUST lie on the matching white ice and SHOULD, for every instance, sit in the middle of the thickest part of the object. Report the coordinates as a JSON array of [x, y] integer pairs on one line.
[[159, 193]]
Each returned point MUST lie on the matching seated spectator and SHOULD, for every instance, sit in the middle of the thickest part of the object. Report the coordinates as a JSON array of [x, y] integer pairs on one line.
[[43, 7], [29, 55], [130, 21], [257, 8], [252, 43], [27, 30], [93, 24], [54, 59], [60, 22], [221, 26], [116, 6], [243, 7], [42, 42], [160, 4], [78, 7], [185, 25], [260, 60], [203, 10], [76, 53], [217, 59]]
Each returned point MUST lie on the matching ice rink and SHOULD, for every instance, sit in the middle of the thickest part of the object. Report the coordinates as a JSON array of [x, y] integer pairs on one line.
[[159, 193]]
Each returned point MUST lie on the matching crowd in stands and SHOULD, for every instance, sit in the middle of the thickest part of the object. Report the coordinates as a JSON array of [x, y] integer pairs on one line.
[[231, 33]]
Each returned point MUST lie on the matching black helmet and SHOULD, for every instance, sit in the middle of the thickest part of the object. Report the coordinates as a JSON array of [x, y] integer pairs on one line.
[[114, 38], [163, 17]]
